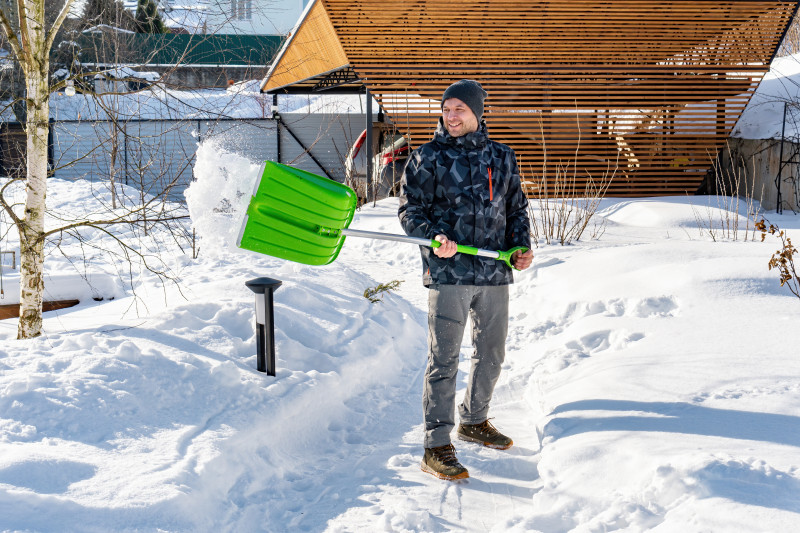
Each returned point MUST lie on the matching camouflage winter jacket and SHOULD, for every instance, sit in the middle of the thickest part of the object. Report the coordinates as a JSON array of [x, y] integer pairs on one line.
[[467, 188]]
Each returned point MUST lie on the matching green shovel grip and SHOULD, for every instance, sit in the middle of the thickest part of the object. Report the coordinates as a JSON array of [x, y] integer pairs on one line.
[[460, 248], [469, 250], [500, 255], [506, 256]]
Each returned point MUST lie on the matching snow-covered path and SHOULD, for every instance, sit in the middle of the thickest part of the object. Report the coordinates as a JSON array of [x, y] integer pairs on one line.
[[651, 383]]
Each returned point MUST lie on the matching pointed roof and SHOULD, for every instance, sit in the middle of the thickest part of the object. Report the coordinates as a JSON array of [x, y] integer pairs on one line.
[[311, 52]]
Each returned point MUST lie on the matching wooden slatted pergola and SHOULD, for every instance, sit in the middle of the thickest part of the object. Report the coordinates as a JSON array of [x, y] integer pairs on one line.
[[649, 88]]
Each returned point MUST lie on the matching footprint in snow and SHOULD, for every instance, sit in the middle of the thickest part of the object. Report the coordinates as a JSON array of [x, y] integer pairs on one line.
[[600, 341], [663, 306]]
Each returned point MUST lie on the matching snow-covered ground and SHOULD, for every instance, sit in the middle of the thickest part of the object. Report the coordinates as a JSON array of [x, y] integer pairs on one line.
[[651, 383]]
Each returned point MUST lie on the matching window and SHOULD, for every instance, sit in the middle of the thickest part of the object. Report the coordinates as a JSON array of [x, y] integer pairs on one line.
[[242, 9]]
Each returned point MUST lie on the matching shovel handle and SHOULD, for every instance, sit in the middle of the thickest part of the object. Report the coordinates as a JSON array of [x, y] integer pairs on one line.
[[469, 250], [500, 255]]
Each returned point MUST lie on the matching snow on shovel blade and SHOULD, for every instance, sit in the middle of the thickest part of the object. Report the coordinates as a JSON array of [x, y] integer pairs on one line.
[[297, 215]]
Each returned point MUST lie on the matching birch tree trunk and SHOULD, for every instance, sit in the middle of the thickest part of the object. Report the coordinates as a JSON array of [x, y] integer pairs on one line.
[[31, 231], [31, 42]]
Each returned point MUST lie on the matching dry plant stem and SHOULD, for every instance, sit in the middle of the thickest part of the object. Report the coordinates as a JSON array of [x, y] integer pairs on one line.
[[731, 187], [783, 259], [565, 212]]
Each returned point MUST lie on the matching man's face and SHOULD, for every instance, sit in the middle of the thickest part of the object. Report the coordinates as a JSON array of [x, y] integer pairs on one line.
[[458, 117]]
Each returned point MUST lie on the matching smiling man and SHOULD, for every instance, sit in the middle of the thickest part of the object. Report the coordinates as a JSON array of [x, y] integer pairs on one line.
[[464, 188]]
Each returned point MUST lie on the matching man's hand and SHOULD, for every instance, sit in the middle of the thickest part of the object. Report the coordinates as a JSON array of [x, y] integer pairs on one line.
[[522, 261], [447, 249]]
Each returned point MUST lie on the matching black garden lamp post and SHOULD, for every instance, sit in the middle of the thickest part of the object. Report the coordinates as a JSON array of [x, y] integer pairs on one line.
[[265, 322]]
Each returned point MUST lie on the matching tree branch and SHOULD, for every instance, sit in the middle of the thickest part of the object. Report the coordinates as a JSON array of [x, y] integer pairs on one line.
[[97, 224], [8, 208], [13, 40], [22, 14], [51, 35]]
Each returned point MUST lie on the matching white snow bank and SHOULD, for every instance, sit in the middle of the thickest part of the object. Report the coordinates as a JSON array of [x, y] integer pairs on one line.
[[162, 425], [97, 267], [679, 212], [94, 286]]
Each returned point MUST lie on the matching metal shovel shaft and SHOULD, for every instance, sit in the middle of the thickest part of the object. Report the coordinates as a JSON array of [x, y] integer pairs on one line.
[[417, 240]]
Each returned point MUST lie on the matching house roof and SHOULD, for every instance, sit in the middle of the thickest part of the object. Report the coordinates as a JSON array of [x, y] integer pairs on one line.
[[311, 53], [651, 89]]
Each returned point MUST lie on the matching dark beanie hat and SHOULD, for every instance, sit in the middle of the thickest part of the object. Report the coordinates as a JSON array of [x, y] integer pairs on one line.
[[468, 91]]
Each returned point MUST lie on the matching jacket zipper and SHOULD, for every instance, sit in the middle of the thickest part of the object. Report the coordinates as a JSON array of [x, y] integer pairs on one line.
[[491, 194]]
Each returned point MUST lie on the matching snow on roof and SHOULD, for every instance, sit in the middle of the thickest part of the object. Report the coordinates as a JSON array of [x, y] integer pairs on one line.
[[247, 86], [242, 100], [159, 103], [127, 72], [101, 28], [190, 18], [763, 116]]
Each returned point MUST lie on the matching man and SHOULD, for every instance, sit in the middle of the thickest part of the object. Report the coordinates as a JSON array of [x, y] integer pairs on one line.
[[464, 188]]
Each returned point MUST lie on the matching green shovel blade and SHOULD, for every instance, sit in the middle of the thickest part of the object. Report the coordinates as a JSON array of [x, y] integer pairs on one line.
[[297, 215]]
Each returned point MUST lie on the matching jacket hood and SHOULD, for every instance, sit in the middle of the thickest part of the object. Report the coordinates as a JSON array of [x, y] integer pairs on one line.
[[470, 141]]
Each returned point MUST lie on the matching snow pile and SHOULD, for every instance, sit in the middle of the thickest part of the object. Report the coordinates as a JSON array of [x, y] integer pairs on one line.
[[650, 384], [154, 421], [64, 286]]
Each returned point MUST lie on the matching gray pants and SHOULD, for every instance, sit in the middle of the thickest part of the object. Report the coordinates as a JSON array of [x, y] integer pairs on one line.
[[448, 309]]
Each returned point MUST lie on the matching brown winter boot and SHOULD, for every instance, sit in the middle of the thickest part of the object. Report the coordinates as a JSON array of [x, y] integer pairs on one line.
[[442, 463], [484, 433]]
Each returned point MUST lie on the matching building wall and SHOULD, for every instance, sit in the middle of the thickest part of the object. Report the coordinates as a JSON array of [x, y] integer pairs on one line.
[[754, 165], [258, 17], [249, 17]]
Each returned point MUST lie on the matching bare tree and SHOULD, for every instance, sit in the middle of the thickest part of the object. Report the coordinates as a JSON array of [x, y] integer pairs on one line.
[[31, 41]]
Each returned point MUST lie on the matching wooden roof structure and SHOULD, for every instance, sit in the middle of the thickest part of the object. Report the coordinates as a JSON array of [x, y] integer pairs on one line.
[[649, 88]]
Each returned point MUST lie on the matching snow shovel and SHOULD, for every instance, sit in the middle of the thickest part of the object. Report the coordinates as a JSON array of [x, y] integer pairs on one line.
[[302, 217]]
